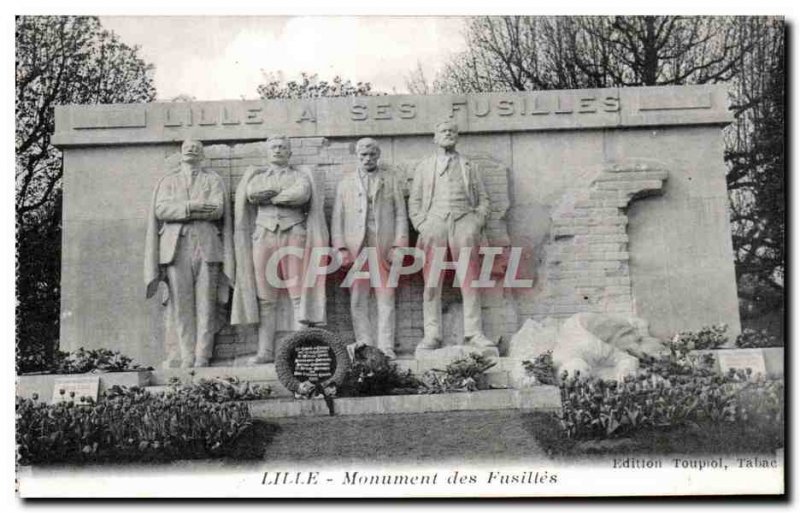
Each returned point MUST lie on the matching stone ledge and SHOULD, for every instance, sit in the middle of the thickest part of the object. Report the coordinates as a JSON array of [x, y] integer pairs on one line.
[[542, 398], [773, 358], [42, 384], [265, 374], [254, 373]]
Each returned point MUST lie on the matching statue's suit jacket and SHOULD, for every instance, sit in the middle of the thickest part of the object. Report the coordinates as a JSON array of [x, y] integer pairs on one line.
[[425, 179], [349, 219], [169, 216]]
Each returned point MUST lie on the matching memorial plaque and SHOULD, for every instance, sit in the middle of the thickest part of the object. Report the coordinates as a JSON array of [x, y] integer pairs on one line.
[[75, 389], [742, 359], [314, 363], [313, 355]]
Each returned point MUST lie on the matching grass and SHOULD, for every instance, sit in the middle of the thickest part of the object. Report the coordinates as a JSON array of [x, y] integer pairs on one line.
[[478, 436], [706, 439], [421, 437]]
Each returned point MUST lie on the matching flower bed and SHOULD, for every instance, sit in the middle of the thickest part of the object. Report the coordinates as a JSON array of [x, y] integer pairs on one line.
[[130, 424], [676, 389]]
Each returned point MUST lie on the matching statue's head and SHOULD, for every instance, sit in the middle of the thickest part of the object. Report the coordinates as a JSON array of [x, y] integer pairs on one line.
[[632, 341], [628, 334], [192, 151], [626, 339], [368, 153], [445, 134], [278, 150]]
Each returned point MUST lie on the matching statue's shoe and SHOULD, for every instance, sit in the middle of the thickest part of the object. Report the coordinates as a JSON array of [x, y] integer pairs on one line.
[[201, 362], [390, 354], [482, 341], [429, 343], [260, 359]]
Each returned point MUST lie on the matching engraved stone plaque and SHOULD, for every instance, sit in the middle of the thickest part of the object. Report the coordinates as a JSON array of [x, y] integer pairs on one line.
[[75, 389], [742, 359]]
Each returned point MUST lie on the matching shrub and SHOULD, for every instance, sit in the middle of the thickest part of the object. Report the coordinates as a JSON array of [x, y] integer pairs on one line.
[[750, 338], [542, 369], [461, 375], [679, 360], [32, 359], [371, 373], [81, 361], [128, 424], [220, 390], [707, 337]]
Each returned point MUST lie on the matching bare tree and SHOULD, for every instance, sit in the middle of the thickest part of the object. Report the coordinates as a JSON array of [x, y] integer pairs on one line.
[[534, 53], [657, 50], [417, 82]]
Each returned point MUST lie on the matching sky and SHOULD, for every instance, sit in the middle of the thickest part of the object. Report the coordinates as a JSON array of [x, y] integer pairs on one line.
[[226, 57]]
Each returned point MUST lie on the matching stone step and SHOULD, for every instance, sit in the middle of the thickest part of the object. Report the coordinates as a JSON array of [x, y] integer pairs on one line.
[[278, 390], [504, 366], [540, 398], [496, 379], [252, 374]]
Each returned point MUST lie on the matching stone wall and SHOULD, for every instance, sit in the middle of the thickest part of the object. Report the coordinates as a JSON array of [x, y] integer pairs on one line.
[[590, 240]]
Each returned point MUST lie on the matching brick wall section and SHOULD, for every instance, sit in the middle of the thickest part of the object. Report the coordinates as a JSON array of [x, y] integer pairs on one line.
[[586, 257]]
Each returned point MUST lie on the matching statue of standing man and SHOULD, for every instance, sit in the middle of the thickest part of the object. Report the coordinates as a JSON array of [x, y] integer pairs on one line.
[[369, 215], [189, 245], [278, 221], [449, 207]]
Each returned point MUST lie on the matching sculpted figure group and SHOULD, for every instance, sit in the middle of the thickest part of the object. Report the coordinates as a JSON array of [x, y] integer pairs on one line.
[[193, 240]]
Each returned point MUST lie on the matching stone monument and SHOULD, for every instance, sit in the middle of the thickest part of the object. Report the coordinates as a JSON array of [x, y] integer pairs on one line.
[[614, 200]]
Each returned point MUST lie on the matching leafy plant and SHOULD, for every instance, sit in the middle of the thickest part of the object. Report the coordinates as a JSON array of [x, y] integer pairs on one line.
[[371, 373], [750, 338], [461, 375], [88, 360], [82, 361], [128, 424], [707, 337], [670, 391], [542, 369], [220, 390], [679, 361]]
